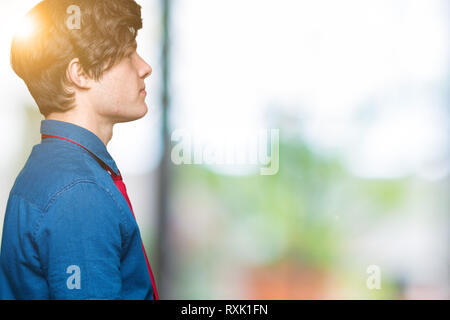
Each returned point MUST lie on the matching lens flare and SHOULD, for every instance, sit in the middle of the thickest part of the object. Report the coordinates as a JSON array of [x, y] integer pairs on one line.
[[25, 28]]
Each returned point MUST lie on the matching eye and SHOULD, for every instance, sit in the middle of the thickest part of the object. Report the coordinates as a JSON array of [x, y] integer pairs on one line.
[[129, 53]]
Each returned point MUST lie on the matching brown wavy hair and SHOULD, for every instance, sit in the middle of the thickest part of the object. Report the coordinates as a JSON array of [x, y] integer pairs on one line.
[[108, 28]]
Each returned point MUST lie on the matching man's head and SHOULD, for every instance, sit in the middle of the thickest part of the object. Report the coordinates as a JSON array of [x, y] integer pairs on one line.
[[92, 66]]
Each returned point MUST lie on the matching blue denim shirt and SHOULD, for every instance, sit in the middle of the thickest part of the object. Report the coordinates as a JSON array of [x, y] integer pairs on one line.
[[68, 232]]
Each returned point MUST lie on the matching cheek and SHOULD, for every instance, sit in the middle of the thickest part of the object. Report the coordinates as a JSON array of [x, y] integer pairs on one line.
[[117, 91], [122, 88], [112, 89], [105, 98]]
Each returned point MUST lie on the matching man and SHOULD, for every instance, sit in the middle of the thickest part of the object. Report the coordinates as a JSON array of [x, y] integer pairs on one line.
[[69, 230]]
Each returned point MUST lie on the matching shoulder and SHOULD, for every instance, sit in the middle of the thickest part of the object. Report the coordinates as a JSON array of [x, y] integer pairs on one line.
[[81, 193], [83, 207], [49, 173]]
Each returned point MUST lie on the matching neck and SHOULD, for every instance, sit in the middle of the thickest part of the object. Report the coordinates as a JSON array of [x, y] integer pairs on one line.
[[102, 129]]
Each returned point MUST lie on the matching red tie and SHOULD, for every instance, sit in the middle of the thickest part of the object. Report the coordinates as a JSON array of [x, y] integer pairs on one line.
[[121, 186], [119, 183]]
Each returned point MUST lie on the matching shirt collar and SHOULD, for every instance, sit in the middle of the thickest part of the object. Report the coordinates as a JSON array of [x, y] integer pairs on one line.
[[81, 136]]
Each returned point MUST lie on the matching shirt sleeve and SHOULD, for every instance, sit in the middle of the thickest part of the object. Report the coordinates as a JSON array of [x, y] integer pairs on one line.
[[80, 243]]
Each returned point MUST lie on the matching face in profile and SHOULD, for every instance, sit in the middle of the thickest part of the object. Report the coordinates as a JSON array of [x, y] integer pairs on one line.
[[119, 95]]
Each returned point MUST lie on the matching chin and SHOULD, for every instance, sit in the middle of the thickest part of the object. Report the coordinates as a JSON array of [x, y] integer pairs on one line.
[[144, 111], [137, 114]]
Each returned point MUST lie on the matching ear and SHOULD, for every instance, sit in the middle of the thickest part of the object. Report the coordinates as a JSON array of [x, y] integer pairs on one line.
[[76, 74]]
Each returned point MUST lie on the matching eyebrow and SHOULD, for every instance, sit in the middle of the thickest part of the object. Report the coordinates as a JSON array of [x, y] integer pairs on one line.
[[131, 47]]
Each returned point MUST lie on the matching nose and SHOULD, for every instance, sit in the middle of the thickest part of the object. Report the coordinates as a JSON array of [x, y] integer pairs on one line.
[[145, 69]]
